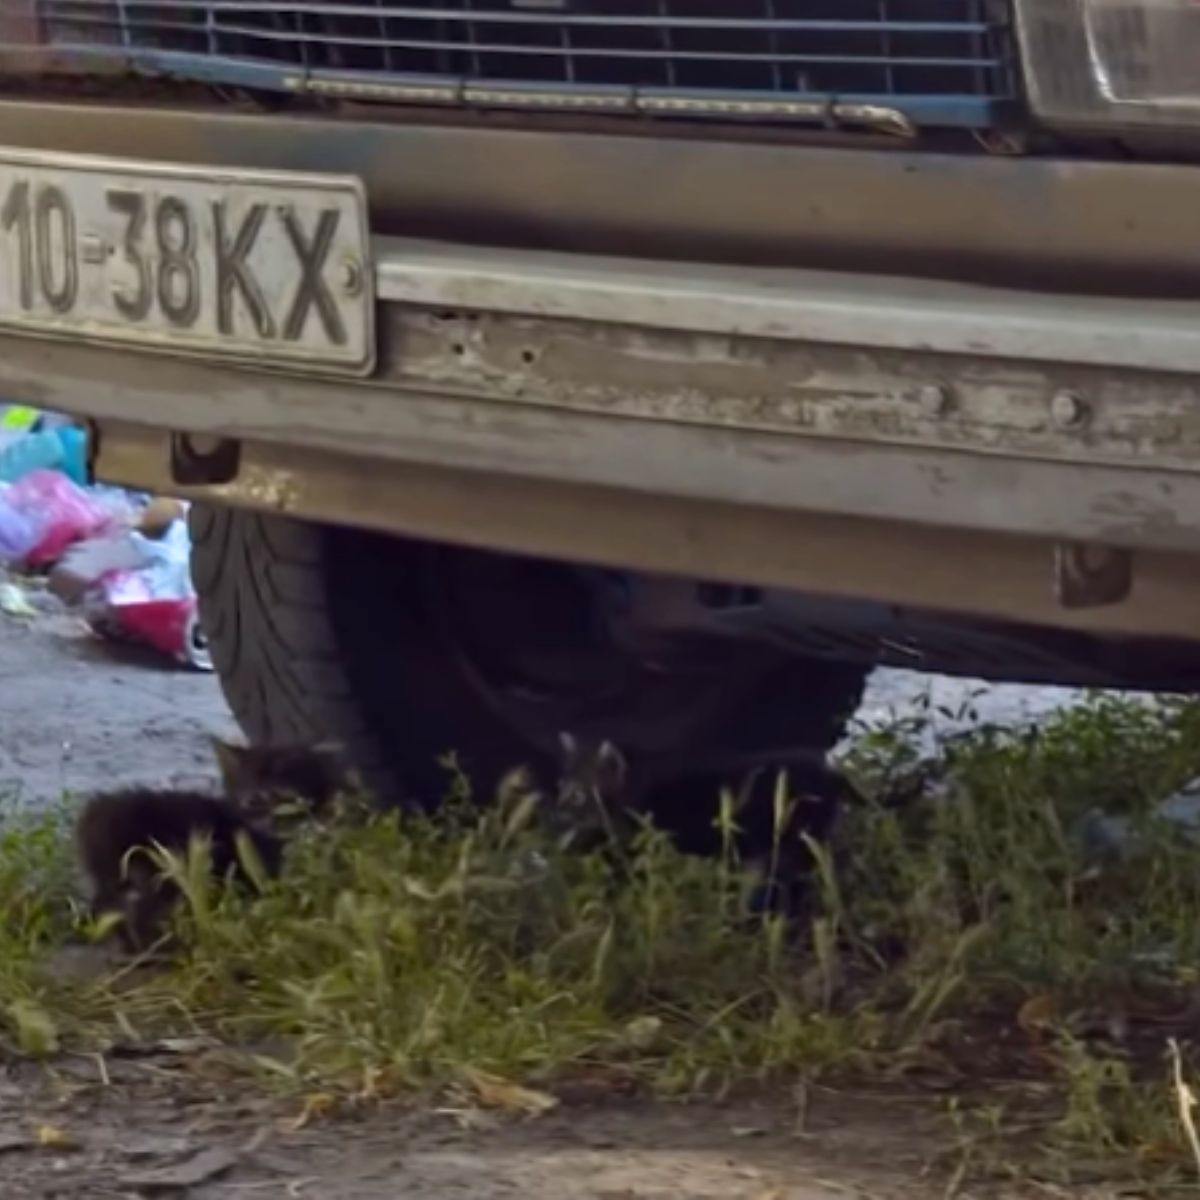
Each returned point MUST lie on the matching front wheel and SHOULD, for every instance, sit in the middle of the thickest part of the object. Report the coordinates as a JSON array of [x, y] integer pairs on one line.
[[405, 651]]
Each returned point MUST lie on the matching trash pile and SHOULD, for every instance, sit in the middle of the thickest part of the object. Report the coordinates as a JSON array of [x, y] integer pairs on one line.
[[118, 558]]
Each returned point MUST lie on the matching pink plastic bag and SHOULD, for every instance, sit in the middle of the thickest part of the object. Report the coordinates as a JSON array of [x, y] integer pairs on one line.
[[141, 589], [52, 512], [170, 625]]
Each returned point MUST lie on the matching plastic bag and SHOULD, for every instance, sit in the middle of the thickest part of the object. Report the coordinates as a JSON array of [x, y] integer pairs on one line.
[[58, 447], [125, 609], [18, 530], [42, 514], [141, 589]]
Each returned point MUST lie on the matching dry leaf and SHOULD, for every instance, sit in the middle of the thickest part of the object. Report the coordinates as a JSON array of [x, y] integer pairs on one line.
[[319, 1104], [1038, 1014], [749, 1131], [36, 1032], [643, 1032], [496, 1092], [473, 1120], [53, 1138], [184, 1045]]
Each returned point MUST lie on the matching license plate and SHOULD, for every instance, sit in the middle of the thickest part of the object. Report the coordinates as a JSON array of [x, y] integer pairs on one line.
[[266, 267]]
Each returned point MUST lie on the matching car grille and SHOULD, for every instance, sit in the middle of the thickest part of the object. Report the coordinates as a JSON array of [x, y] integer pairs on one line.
[[936, 61]]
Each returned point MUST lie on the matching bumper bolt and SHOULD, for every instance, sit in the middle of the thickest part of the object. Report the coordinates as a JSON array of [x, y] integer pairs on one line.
[[1069, 410]]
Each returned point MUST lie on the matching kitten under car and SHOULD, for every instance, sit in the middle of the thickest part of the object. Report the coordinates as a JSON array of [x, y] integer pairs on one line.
[[116, 832], [602, 795]]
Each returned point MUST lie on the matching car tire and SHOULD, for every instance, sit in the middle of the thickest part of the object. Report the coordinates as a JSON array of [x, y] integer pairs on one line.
[[318, 632]]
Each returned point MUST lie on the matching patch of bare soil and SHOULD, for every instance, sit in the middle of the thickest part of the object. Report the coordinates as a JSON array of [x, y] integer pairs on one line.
[[157, 1127]]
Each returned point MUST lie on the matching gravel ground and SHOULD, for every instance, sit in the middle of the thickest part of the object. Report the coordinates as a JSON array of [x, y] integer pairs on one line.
[[90, 713]]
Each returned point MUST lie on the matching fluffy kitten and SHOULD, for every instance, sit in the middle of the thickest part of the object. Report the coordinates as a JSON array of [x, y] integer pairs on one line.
[[601, 796], [262, 780], [115, 830]]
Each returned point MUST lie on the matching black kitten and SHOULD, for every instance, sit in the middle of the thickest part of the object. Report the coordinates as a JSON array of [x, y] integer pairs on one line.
[[777, 797], [261, 780], [595, 793], [601, 794], [116, 833]]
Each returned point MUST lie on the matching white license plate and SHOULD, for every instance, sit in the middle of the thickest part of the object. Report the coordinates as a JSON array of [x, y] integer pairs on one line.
[[268, 267]]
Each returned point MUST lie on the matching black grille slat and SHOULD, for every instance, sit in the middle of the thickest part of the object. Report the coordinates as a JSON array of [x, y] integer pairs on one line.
[[952, 58]]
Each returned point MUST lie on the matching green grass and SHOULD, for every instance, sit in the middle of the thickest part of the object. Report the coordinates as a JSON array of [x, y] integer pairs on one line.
[[963, 940]]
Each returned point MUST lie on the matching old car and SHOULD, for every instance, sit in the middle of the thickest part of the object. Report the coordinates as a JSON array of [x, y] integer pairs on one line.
[[648, 368]]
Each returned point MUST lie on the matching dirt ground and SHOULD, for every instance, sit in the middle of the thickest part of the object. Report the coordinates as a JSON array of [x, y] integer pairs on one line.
[[153, 1131], [93, 714]]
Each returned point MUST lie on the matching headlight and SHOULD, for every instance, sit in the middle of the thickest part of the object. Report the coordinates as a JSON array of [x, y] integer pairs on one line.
[[1112, 62]]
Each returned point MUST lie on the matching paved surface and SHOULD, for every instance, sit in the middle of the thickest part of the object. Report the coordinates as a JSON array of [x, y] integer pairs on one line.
[[80, 713]]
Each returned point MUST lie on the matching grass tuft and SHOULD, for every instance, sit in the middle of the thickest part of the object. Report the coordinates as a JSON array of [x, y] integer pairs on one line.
[[970, 937]]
